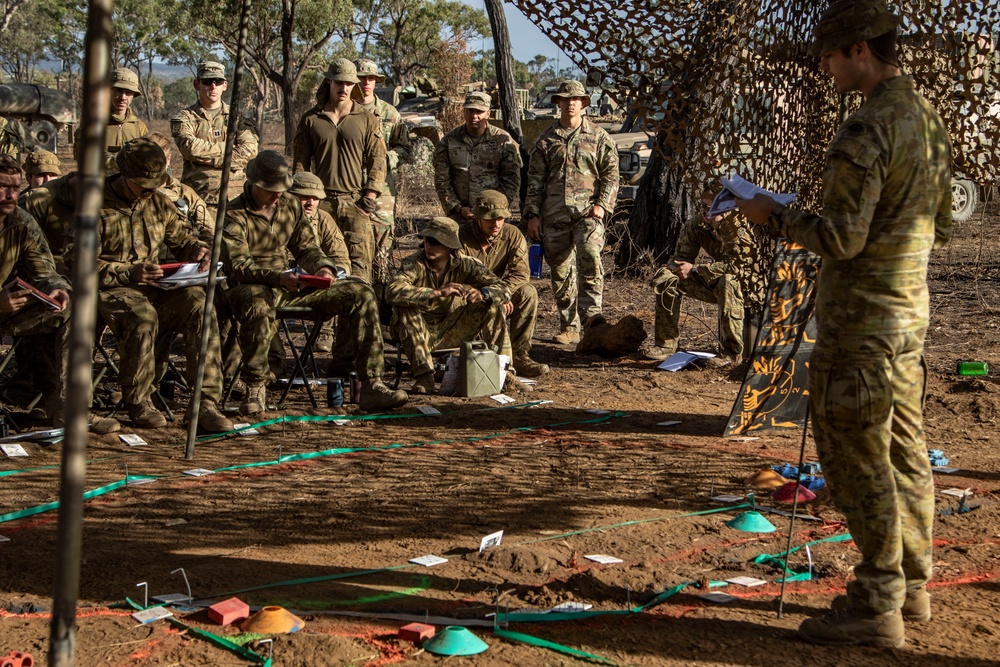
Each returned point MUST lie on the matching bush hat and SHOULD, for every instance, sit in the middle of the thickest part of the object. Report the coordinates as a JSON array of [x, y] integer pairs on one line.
[[478, 100], [211, 70], [443, 230], [343, 70], [269, 171], [307, 184], [571, 89], [40, 162], [851, 21], [491, 205], [126, 79], [143, 162], [367, 67]]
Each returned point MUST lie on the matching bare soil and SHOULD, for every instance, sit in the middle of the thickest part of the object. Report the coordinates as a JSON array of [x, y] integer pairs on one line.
[[561, 482]]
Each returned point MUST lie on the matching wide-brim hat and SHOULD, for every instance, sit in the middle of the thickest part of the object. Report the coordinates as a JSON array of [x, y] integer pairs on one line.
[[126, 79], [851, 21], [143, 162], [39, 162], [269, 171], [491, 205], [307, 184], [571, 89], [343, 70], [368, 67], [444, 231]]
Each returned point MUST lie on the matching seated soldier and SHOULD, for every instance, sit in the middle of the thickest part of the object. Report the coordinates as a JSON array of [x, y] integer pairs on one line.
[[53, 205], [502, 248], [441, 299], [40, 167], [727, 240], [135, 221], [23, 247], [264, 225], [190, 206]]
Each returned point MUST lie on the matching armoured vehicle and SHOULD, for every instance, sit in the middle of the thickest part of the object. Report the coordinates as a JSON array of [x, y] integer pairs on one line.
[[42, 111]]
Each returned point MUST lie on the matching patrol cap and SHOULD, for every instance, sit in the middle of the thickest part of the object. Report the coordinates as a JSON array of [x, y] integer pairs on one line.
[[40, 162], [343, 70], [367, 67], [126, 79], [848, 22], [270, 171], [307, 184], [570, 89], [143, 162], [491, 204], [477, 100], [211, 70], [444, 231]]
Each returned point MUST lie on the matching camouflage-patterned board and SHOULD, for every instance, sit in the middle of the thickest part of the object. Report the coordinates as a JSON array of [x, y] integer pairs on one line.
[[731, 85]]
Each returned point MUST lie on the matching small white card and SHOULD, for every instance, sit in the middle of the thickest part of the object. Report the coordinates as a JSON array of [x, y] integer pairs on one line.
[[947, 470], [570, 607], [149, 615], [725, 498], [603, 559], [131, 439], [13, 450], [4, 539], [199, 472], [175, 522], [428, 410], [719, 598], [598, 411], [428, 561], [171, 598], [528, 381], [744, 438], [958, 493], [668, 423], [491, 540], [247, 431], [341, 422], [746, 581], [502, 399]]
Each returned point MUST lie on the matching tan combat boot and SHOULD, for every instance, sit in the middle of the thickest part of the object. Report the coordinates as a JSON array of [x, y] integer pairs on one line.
[[916, 606], [847, 627], [423, 384], [375, 396], [145, 415], [528, 367], [255, 401], [659, 352], [210, 419], [567, 337]]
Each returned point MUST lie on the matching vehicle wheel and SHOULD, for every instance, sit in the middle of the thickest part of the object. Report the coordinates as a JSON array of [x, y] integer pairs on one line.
[[43, 133], [964, 199]]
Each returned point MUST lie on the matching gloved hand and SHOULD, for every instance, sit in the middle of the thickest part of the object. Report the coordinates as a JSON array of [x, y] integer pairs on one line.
[[366, 204]]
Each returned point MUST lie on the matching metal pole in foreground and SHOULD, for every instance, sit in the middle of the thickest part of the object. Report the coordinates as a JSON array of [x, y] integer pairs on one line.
[[227, 160], [795, 507], [79, 374]]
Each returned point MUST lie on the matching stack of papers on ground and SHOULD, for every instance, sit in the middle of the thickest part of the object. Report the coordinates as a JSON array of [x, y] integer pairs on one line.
[[679, 360]]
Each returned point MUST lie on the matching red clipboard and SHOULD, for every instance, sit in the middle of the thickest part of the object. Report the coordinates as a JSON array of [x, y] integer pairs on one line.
[[314, 281], [171, 268], [39, 294]]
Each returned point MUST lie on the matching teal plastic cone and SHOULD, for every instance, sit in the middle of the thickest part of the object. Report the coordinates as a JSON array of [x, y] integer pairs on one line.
[[455, 640], [751, 522]]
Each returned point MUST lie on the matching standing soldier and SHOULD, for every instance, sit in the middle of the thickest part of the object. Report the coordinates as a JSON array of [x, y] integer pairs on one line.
[[886, 204], [123, 124], [200, 133], [397, 141], [342, 144], [11, 138], [474, 157], [572, 187], [40, 167], [503, 250]]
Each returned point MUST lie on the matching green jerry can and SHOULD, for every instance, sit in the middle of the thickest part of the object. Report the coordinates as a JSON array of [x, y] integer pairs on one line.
[[479, 370]]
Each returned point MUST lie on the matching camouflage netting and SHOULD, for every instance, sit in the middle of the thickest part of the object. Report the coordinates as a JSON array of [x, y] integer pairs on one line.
[[731, 85]]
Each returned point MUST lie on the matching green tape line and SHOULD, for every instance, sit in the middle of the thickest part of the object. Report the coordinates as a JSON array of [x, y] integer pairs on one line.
[[6, 473], [47, 507], [543, 643], [423, 583], [552, 617], [222, 642], [309, 580], [777, 559]]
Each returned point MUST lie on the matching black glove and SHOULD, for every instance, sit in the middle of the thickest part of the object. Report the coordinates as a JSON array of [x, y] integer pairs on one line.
[[366, 204]]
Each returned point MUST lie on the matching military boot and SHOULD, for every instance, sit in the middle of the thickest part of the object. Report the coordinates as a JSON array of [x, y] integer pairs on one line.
[[846, 627], [324, 342], [375, 396], [528, 367], [916, 606], [423, 384], [98, 424], [255, 401], [568, 336], [145, 415], [210, 419], [659, 352]]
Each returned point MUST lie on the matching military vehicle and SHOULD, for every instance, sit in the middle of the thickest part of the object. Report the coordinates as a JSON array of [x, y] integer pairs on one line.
[[44, 112]]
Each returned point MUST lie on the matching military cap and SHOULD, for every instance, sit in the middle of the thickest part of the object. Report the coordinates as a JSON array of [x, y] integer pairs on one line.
[[444, 231], [143, 162], [491, 204], [477, 100], [369, 68], [570, 89], [126, 79], [307, 184], [211, 70], [40, 162], [269, 171], [851, 21], [343, 70]]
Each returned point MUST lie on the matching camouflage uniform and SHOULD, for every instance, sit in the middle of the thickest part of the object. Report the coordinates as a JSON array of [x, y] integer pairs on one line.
[[199, 218], [255, 253], [423, 324], [464, 167], [886, 203], [201, 138], [569, 172], [120, 130], [396, 135], [53, 205], [727, 281], [11, 138]]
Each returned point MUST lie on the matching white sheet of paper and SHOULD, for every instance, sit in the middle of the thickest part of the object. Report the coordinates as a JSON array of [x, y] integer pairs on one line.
[[341, 422], [491, 540], [947, 470], [4, 539], [569, 607], [13, 450], [958, 493], [526, 380], [149, 615], [502, 399], [199, 472], [747, 581], [131, 439], [428, 410], [248, 431], [428, 561], [603, 559]]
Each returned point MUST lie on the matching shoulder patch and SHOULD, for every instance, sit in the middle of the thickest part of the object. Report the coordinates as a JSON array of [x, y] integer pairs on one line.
[[856, 143]]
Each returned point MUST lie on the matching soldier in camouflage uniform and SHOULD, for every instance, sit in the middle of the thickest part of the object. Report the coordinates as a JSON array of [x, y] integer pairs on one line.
[[727, 281], [886, 204], [123, 124], [191, 208], [474, 157], [200, 133], [503, 250], [396, 134], [342, 144], [53, 206], [441, 299], [135, 222], [264, 225], [572, 188], [40, 167], [11, 138]]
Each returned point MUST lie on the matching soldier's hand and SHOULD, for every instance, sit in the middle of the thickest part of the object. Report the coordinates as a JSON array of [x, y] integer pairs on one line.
[[472, 295], [597, 211], [758, 209], [12, 299], [144, 272], [61, 297], [366, 204], [203, 258], [325, 272], [451, 289], [508, 309], [683, 270], [289, 280], [535, 228], [466, 213]]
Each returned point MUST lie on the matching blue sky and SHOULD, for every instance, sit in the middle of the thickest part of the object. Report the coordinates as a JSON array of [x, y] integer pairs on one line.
[[526, 39]]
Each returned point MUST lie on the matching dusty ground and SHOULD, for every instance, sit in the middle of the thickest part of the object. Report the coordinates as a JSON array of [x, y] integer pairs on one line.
[[560, 482]]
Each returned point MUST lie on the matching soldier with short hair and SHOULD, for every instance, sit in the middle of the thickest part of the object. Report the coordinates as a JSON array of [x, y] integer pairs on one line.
[[474, 157], [40, 166], [190, 206], [502, 249], [341, 142], [263, 226], [123, 123], [886, 204], [200, 133], [572, 188], [135, 222], [441, 298]]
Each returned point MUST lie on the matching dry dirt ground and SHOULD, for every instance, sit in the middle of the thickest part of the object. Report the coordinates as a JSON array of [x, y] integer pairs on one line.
[[561, 482]]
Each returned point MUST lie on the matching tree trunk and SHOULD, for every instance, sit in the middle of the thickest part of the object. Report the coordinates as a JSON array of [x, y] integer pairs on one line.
[[504, 64]]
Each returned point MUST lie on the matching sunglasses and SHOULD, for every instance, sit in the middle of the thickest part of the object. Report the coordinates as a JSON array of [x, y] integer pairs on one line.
[[212, 82], [430, 240]]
